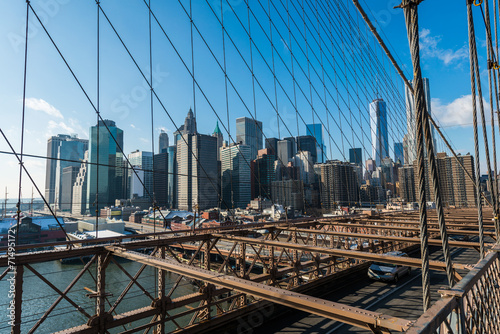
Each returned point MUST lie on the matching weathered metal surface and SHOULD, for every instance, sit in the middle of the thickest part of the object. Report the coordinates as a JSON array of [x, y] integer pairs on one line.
[[352, 315]]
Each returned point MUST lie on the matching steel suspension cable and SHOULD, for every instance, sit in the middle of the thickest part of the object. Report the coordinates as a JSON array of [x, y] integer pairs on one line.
[[474, 115], [21, 162], [410, 13]]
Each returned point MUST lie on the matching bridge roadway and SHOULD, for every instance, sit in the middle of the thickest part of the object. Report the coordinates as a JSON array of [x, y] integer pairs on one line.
[[403, 299]]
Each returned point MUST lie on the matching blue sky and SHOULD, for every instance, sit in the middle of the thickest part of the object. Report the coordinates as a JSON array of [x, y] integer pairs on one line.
[[55, 103]]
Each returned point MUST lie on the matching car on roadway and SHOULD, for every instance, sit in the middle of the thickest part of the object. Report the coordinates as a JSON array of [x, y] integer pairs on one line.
[[388, 271]]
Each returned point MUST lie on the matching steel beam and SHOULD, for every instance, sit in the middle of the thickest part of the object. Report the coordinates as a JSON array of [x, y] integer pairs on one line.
[[339, 312], [405, 261], [436, 242]]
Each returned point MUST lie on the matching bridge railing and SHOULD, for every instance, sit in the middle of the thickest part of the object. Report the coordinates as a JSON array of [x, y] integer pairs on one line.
[[471, 306]]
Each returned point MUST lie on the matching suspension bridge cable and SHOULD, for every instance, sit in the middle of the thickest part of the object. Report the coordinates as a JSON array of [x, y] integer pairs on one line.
[[411, 20], [474, 116], [20, 158]]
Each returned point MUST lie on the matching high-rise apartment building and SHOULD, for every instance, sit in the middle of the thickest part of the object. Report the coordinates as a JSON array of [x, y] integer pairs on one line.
[[249, 132], [196, 172], [62, 151], [378, 127], [236, 176], [455, 186], [407, 183], [107, 182], [339, 184]]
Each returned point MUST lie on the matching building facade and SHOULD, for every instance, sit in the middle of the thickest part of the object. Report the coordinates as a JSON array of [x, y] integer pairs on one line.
[[249, 132], [196, 172], [107, 182], [62, 151], [378, 127], [316, 130], [236, 176]]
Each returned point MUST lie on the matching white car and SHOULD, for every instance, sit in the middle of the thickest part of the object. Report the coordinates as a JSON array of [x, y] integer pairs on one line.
[[388, 271]]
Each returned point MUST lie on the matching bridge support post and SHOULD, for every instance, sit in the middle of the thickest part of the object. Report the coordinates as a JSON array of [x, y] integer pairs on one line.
[[18, 299], [102, 263], [242, 268], [160, 329]]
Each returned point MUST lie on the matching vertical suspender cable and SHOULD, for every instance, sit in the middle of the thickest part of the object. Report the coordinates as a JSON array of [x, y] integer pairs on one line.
[[491, 60], [410, 12], [152, 119], [98, 129], [481, 110], [21, 162], [474, 115]]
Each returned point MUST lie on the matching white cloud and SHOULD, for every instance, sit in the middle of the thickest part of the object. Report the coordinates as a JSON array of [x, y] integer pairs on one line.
[[458, 112], [429, 46], [42, 105], [144, 140], [52, 126], [132, 126]]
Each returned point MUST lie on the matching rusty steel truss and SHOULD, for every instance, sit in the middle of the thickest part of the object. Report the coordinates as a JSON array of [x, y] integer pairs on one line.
[[234, 270]]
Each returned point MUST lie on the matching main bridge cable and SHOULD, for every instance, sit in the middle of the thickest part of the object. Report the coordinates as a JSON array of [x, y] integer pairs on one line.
[[411, 20], [492, 66], [474, 71], [410, 88], [411, 8]]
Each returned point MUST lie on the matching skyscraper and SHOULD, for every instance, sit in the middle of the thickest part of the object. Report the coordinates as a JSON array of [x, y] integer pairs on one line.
[[411, 121], [220, 139], [272, 144], [378, 127], [196, 172], [189, 127], [399, 153], [249, 132], [316, 130], [142, 161], [163, 142], [63, 147], [79, 202], [263, 173], [68, 178], [339, 184], [236, 176], [172, 177], [109, 181], [285, 151], [160, 178], [308, 143], [356, 156]]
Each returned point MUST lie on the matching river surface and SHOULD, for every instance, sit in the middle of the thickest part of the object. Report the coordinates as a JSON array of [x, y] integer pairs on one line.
[[38, 296]]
